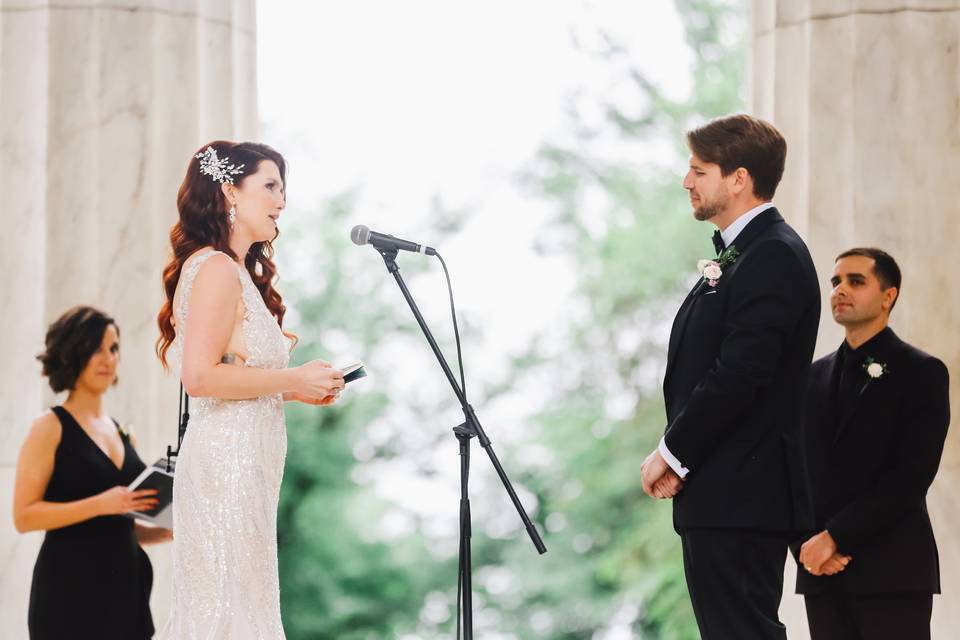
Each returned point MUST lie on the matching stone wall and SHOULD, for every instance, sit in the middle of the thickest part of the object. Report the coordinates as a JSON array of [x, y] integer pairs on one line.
[[867, 93], [101, 105]]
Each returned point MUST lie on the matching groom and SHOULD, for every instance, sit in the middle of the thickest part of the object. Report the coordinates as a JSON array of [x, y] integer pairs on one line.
[[739, 355]]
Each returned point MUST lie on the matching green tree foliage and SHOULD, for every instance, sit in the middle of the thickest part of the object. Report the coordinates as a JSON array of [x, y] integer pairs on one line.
[[339, 580]]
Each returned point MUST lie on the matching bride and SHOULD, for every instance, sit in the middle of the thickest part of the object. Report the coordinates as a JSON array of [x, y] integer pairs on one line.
[[223, 319]]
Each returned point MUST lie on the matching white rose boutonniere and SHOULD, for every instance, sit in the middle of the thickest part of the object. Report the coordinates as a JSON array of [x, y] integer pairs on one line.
[[712, 270], [125, 429], [874, 369]]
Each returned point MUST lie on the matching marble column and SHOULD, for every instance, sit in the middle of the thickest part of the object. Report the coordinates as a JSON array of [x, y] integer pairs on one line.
[[867, 93], [101, 105]]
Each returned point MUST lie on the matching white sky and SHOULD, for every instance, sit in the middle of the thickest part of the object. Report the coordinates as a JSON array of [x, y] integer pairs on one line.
[[436, 98], [432, 98]]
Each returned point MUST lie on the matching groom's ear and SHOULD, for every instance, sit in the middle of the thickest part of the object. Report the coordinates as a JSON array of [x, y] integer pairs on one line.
[[742, 181]]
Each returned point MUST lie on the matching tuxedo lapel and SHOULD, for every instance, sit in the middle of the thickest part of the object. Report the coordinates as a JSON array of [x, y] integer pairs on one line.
[[676, 332]]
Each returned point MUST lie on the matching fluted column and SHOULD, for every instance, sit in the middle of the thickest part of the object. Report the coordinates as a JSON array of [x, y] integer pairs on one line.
[[867, 93], [101, 105]]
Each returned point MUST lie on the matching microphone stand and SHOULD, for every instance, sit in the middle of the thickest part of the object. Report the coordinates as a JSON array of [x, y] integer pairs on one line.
[[463, 432]]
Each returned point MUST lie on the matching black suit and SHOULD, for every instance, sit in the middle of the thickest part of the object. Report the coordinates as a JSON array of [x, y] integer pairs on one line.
[[734, 388], [875, 446]]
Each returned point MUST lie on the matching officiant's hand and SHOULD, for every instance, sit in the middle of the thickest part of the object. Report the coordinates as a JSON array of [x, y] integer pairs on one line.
[[119, 500], [318, 381], [653, 468], [147, 534], [819, 555]]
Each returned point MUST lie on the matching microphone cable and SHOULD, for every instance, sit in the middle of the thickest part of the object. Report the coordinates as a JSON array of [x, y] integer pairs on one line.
[[463, 387]]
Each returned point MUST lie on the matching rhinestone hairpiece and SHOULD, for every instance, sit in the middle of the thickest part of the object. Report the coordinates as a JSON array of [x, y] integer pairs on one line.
[[219, 169]]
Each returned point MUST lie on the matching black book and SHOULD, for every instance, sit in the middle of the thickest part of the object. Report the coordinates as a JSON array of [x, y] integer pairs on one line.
[[353, 371], [156, 477]]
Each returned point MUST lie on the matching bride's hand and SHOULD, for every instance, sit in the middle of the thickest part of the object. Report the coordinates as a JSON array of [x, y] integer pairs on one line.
[[317, 381], [293, 396]]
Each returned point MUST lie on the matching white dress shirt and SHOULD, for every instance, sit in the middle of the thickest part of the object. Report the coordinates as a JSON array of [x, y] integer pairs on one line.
[[729, 235]]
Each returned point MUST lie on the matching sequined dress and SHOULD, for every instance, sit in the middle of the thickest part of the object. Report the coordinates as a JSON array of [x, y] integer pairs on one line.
[[226, 488]]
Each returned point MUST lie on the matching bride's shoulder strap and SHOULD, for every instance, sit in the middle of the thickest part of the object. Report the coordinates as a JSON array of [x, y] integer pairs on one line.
[[189, 274]]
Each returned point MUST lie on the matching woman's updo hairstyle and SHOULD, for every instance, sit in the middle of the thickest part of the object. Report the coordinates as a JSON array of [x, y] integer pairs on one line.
[[70, 343]]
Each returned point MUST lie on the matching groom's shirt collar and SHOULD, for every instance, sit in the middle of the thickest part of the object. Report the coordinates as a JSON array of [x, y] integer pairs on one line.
[[730, 233]]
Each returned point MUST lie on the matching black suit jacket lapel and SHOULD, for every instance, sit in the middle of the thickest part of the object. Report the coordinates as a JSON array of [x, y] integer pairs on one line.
[[676, 333], [882, 353], [827, 394], [751, 231]]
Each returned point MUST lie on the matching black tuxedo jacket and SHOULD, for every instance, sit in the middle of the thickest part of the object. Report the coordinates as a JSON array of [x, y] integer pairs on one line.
[[734, 387], [872, 468]]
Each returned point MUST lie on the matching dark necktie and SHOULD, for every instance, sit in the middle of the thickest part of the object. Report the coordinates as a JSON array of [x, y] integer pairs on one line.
[[718, 242]]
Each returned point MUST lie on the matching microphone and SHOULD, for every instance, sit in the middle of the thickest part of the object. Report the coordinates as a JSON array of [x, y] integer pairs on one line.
[[362, 235]]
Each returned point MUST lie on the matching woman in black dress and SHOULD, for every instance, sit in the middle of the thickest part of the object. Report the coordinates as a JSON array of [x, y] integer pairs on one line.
[[92, 579]]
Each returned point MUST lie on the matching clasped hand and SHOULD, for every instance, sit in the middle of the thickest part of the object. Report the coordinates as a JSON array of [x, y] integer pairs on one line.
[[659, 480], [819, 555]]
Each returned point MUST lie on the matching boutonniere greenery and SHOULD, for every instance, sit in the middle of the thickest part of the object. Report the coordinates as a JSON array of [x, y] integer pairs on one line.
[[712, 270], [875, 370], [125, 429]]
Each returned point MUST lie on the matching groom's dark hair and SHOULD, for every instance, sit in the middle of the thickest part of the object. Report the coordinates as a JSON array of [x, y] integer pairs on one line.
[[884, 267], [743, 141]]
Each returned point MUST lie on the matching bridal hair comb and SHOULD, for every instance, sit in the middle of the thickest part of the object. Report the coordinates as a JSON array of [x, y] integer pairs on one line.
[[217, 168]]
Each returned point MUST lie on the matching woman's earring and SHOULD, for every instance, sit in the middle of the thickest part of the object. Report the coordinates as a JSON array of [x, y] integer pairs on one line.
[[233, 215]]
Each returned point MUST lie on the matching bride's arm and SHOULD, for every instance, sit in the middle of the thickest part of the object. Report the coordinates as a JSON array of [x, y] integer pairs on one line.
[[212, 308]]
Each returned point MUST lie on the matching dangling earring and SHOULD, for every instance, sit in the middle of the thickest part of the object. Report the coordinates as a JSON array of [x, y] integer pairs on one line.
[[233, 215]]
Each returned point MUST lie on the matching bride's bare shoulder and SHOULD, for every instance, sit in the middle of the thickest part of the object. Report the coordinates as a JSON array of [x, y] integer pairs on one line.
[[218, 273], [218, 270]]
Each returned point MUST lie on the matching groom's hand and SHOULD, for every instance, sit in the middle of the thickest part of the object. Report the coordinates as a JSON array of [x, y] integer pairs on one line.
[[819, 555], [668, 485], [652, 469]]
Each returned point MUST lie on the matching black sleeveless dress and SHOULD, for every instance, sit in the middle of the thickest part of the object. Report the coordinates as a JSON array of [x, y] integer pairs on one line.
[[92, 579]]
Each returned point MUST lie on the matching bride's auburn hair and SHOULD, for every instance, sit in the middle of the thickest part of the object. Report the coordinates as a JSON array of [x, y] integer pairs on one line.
[[203, 223]]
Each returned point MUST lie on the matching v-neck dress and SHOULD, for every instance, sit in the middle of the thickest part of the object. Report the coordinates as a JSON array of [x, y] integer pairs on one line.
[[226, 490], [91, 579]]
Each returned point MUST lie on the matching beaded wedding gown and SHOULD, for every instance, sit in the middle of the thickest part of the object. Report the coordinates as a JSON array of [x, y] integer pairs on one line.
[[226, 488]]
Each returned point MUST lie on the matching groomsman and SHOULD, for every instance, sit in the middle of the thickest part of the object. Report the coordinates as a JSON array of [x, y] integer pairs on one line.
[[737, 366], [877, 417]]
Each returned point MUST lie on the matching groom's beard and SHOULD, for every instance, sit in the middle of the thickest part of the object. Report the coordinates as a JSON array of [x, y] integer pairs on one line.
[[712, 208], [705, 212]]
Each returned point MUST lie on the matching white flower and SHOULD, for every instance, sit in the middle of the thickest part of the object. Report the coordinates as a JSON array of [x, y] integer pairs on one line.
[[219, 169], [712, 271], [702, 264], [875, 370]]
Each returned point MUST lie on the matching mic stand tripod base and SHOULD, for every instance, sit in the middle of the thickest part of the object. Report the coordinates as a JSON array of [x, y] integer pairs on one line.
[[464, 432]]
